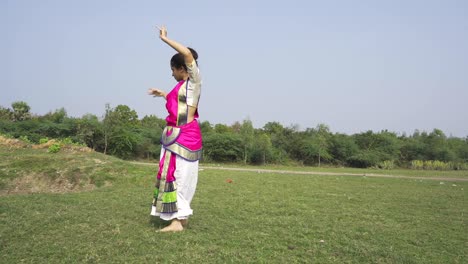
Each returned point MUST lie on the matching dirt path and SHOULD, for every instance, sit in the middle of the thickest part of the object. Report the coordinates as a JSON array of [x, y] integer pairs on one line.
[[323, 173]]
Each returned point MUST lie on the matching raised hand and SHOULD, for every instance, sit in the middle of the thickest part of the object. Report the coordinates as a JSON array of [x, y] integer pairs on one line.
[[188, 57], [162, 32]]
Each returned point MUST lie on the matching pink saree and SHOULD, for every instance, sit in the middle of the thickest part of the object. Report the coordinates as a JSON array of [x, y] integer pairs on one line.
[[179, 138]]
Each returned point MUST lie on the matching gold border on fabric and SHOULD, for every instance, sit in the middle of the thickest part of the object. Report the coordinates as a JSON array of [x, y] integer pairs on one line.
[[184, 152], [162, 183], [182, 107], [167, 140]]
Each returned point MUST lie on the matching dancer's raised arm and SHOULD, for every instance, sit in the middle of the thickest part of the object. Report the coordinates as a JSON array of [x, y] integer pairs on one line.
[[188, 57]]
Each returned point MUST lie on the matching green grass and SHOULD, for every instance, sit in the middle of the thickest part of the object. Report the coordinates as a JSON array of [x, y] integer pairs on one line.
[[397, 172], [258, 218]]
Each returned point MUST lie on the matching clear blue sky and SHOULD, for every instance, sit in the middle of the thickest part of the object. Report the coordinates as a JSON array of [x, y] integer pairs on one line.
[[363, 65]]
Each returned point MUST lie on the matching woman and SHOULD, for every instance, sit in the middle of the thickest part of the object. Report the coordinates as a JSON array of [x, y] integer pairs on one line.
[[181, 140]]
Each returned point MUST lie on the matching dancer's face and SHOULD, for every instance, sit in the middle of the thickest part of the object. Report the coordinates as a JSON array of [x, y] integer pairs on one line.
[[178, 74]]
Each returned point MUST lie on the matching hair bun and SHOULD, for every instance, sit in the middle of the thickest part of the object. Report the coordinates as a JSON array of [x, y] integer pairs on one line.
[[194, 53]]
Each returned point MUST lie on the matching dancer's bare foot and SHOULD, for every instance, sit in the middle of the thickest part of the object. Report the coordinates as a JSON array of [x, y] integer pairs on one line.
[[175, 226]]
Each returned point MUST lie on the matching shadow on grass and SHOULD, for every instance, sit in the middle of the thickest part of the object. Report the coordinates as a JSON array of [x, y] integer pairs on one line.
[[157, 222]]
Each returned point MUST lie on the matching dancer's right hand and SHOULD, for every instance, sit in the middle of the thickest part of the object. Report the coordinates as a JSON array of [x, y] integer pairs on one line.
[[156, 93]]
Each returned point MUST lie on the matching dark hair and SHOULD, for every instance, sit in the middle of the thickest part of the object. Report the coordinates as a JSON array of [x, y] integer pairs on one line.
[[177, 61]]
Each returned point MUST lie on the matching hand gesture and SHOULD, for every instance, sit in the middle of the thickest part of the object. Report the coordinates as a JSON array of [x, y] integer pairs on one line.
[[162, 32], [156, 92]]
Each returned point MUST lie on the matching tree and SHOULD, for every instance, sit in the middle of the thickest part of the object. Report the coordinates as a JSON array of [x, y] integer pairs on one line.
[[223, 147], [314, 145], [247, 134], [273, 128], [342, 147], [364, 159], [89, 130], [322, 137], [283, 140], [308, 150], [109, 125], [5, 114], [117, 124], [206, 128], [149, 143], [236, 127], [412, 148], [124, 142], [153, 121], [58, 116], [221, 129], [151, 131], [263, 146], [463, 151], [20, 111], [375, 148], [125, 116], [437, 147]]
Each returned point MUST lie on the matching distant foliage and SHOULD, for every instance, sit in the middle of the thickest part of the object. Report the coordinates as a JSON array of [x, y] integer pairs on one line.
[[365, 159], [25, 139], [417, 164], [437, 165], [225, 147], [5, 114], [120, 132], [386, 165], [20, 111]]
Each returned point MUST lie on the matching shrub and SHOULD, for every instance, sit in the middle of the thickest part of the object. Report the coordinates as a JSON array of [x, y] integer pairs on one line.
[[67, 141], [6, 136], [386, 165], [54, 148], [43, 140], [437, 165], [460, 166], [440, 165], [25, 139], [364, 159], [417, 164]]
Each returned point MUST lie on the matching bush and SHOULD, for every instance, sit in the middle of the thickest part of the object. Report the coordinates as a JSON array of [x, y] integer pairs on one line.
[[364, 160], [6, 135], [223, 147], [460, 166], [386, 165], [440, 165], [54, 148], [417, 165], [25, 139], [437, 165], [67, 141], [43, 140]]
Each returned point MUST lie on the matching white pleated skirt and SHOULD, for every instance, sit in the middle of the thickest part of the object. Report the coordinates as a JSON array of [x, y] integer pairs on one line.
[[186, 175]]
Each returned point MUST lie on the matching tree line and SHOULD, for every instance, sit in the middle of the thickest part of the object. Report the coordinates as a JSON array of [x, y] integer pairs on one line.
[[120, 132]]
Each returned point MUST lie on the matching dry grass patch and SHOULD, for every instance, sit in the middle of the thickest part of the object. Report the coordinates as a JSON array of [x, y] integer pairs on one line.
[[33, 169], [37, 183], [12, 143]]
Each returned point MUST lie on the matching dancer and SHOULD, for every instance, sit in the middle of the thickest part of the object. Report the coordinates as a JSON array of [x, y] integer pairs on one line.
[[181, 140]]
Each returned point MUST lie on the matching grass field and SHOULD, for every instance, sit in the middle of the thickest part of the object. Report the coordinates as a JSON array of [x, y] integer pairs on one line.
[[463, 174], [258, 218]]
